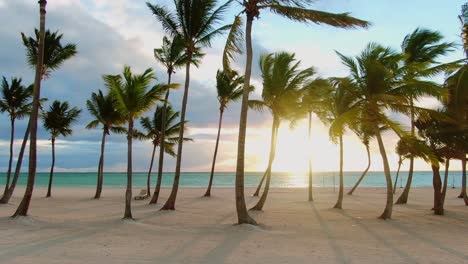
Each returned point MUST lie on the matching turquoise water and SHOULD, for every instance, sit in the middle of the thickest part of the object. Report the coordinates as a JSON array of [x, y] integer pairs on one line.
[[226, 179]]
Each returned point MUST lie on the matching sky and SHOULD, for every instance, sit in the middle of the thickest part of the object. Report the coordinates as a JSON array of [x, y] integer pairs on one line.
[[111, 34]]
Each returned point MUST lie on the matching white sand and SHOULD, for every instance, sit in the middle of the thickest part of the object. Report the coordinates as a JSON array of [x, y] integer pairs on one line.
[[73, 228]]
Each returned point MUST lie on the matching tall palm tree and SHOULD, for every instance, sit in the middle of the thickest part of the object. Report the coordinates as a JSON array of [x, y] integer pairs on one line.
[[281, 95], [58, 120], [314, 100], [15, 101], [229, 88], [153, 131], [341, 102], [194, 23], [171, 55], [293, 10], [134, 95], [421, 50], [104, 109]]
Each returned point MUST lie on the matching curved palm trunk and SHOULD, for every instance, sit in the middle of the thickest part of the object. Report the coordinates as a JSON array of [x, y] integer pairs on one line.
[[260, 184], [208, 191], [23, 207], [387, 213], [463, 187], [148, 180], [437, 185], [274, 133], [243, 216], [403, 199], [339, 202], [157, 190], [364, 173], [446, 174], [100, 177], [7, 196], [310, 196], [51, 175], [397, 174], [170, 203], [10, 162], [128, 192]]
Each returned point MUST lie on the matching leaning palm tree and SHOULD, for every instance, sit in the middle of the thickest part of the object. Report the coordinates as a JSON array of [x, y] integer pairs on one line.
[[134, 95], [341, 102], [229, 89], [364, 134], [421, 49], [39, 60], [281, 95], [153, 131], [58, 120], [171, 55], [15, 101], [194, 23], [314, 100], [104, 109], [293, 10]]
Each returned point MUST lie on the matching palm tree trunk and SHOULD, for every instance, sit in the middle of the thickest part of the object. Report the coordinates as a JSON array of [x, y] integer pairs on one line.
[[397, 174], [155, 197], [10, 162], [128, 192], [51, 175], [243, 216], [363, 173], [101, 167], [311, 198], [463, 187], [387, 213], [23, 207], [260, 184], [339, 202], [403, 199], [148, 180], [208, 191], [446, 174], [437, 185], [170, 203], [274, 133], [7, 196]]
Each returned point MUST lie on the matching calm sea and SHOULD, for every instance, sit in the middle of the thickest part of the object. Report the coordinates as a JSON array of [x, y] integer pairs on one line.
[[226, 179]]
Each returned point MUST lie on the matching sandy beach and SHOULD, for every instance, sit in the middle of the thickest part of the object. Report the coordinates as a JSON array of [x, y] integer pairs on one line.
[[73, 228]]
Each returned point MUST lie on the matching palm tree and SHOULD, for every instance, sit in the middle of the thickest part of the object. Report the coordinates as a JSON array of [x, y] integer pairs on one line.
[[153, 131], [293, 10], [15, 101], [281, 95], [421, 50], [401, 150], [364, 134], [134, 95], [171, 55], [104, 109], [340, 103], [194, 23], [229, 89], [58, 121], [314, 100]]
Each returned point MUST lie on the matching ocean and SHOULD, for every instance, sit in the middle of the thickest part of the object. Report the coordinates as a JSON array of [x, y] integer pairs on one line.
[[226, 179]]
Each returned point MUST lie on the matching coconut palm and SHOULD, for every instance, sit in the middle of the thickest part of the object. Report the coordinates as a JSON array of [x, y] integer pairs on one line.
[[421, 49], [229, 89], [364, 134], [281, 95], [15, 101], [153, 131], [194, 22], [134, 95], [314, 100], [293, 10], [171, 55], [104, 109], [44, 60], [58, 120]]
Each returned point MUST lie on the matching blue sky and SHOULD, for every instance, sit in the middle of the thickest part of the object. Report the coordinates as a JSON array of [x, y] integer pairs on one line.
[[110, 34]]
